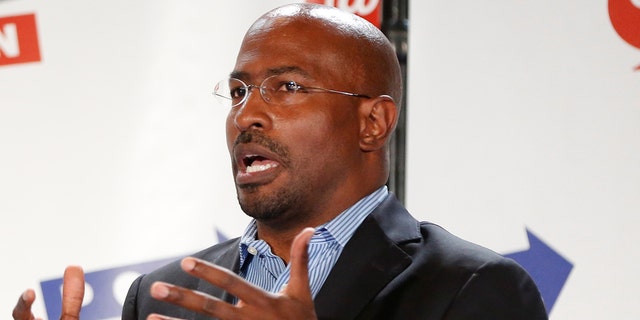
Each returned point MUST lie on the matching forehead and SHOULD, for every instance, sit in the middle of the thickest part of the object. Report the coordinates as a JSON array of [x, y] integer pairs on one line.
[[286, 70], [286, 44]]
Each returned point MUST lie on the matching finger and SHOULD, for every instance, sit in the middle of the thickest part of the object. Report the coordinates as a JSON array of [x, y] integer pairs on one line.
[[192, 300], [227, 280], [22, 310], [155, 316], [72, 292], [298, 286]]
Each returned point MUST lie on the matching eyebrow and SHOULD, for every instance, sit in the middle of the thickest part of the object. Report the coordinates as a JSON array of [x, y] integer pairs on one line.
[[242, 75]]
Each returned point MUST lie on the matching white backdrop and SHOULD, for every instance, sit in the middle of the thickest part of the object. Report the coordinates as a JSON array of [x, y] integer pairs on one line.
[[527, 114], [521, 114], [113, 149]]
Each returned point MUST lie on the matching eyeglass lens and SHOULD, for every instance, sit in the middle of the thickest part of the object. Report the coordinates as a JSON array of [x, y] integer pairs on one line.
[[277, 90]]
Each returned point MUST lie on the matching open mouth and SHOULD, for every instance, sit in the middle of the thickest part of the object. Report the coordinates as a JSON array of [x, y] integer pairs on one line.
[[257, 163]]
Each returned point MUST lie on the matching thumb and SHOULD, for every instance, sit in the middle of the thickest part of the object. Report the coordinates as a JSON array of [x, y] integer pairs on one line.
[[298, 286], [72, 292]]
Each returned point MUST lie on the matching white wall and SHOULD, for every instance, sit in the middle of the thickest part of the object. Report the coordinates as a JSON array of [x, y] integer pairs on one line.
[[527, 114], [112, 146]]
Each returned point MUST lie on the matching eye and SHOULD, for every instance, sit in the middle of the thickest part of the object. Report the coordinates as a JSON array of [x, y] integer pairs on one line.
[[288, 87], [237, 92]]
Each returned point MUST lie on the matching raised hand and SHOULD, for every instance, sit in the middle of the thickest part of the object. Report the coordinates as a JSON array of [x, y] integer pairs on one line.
[[72, 294], [22, 310], [293, 302]]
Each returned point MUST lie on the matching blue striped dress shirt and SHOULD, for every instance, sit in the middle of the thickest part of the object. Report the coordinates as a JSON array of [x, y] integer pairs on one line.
[[261, 267]]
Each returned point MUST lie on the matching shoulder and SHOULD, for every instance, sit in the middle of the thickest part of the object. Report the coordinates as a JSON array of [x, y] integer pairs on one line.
[[442, 253], [450, 249], [450, 276], [392, 221], [479, 282]]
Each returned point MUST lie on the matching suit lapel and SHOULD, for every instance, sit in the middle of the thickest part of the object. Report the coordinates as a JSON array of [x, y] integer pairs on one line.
[[370, 260]]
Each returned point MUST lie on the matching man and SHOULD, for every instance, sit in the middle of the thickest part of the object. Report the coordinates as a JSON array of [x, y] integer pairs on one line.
[[313, 102]]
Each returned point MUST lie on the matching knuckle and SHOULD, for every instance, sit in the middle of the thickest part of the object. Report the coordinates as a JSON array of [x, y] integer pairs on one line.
[[176, 294], [227, 281], [209, 306], [67, 316]]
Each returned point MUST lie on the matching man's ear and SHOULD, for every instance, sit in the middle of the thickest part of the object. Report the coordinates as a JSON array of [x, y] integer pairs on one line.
[[378, 117]]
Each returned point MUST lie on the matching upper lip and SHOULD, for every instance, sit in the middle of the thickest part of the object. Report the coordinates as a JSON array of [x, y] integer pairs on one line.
[[244, 153]]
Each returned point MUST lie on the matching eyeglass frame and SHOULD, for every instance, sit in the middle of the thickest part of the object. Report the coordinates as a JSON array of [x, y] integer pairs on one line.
[[263, 89]]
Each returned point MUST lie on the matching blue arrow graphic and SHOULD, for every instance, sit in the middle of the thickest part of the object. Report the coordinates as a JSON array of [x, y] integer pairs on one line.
[[548, 269], [104, 302]]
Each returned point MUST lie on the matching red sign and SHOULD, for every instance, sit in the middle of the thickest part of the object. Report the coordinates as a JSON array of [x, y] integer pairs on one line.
[[625, 18], [368, 9], [19, 39]]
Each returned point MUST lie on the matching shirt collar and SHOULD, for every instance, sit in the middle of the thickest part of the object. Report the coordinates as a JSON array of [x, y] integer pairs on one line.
[[345, 224], [340, 228]]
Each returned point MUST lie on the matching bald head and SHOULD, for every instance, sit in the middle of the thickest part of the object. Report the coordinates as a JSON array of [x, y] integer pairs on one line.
[[361, 52], [303, 156]]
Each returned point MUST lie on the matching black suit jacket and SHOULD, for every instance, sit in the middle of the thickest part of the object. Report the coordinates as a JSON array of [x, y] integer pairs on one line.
[[394, 267]]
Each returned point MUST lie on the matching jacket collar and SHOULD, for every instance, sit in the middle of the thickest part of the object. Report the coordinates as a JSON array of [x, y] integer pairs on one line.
[[374, 252], [370, 260]]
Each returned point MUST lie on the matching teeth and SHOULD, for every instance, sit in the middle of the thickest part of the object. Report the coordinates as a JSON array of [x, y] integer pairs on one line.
[[261, 167]]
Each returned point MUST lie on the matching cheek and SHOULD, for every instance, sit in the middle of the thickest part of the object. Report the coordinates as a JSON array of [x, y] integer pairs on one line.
[[231, 131], [321, 138]]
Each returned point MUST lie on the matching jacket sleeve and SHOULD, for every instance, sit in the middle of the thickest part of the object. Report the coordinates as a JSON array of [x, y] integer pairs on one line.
[[130, 309], [499, 289]]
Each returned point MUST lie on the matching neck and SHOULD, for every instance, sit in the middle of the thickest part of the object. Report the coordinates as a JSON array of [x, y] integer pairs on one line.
[[280, 232], [279, 239]]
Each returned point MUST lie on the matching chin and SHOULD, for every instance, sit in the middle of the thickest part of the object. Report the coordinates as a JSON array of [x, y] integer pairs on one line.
[[266, 206], [259, 212]]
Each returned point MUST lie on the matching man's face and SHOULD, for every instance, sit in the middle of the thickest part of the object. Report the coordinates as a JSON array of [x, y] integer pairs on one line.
[[290, 161]]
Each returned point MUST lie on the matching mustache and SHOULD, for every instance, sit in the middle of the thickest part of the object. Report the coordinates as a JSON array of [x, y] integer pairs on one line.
[[264, 141]]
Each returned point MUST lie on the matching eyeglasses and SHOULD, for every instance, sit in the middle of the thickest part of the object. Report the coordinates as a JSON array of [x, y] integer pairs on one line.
[[276, 90]]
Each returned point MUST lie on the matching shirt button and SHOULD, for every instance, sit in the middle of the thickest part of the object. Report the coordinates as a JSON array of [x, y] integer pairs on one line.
[[252, 251]]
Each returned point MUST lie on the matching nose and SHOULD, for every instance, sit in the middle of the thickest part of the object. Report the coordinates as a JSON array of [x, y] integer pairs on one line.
[[252, 113]]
